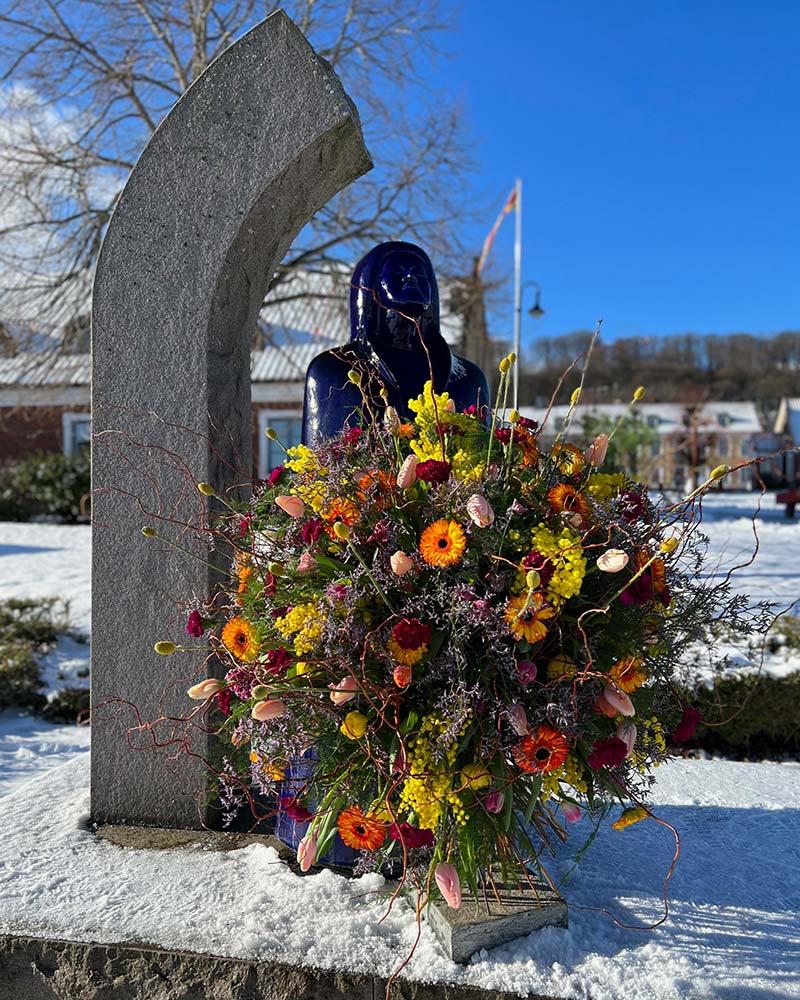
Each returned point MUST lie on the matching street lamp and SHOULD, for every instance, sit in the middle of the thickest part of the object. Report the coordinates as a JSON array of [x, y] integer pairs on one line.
[[536, 311]]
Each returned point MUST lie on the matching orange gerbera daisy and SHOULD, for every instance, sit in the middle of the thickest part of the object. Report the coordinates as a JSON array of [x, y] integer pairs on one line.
[[442, 543], [406, 431], [542, 751], [568, 458], [385, 483], [628, 673], [239, 638], [363, 831], [564, 497], [340, 509], [527, 615]]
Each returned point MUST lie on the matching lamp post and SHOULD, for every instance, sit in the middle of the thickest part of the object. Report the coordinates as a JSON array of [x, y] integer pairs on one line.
[[536, 311]]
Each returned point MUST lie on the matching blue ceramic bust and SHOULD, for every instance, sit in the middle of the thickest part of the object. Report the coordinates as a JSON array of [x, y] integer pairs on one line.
[[395, 344]]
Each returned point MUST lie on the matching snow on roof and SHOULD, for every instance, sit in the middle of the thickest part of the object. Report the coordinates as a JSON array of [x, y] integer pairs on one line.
[[738, 417], [788, 418]]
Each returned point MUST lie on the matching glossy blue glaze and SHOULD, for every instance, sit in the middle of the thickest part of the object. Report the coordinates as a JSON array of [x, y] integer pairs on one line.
[[395, 343]]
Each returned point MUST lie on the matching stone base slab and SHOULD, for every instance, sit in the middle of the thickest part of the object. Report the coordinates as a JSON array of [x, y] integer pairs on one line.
[[42, 969]]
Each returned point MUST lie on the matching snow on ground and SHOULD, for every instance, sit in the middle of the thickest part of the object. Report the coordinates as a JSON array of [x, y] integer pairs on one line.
[[30, 746], [733, 931]]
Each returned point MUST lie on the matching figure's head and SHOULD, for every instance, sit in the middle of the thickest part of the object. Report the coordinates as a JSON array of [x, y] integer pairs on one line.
[[393, 277]]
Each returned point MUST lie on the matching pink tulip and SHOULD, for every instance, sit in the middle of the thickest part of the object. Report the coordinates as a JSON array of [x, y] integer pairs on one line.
[[526, 671], [596, 452], [626, 731], [618, 700], [391, 420], [518, 719], [494, 802], [293, 506], [450, 406], [307, 851], [402, 675], [480, 511], [306, 563], [408, 472], [205, 689], [401, 563], [272, 708], [571, 813], [612, 561], [344, 690], [449, 885]]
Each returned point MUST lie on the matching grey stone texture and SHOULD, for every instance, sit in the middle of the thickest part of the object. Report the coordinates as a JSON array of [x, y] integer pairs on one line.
[[261, 141], [39, 969], [512, 913]]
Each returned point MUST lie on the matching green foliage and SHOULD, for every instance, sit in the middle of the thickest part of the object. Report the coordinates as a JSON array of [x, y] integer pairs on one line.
[[764, 714], [627, 448], [46, 483]]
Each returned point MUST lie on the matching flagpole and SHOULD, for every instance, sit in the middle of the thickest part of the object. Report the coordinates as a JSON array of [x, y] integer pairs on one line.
[[517, 288]]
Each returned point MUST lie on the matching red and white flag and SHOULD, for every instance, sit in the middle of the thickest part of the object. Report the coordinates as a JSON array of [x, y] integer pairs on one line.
[[510, 205]]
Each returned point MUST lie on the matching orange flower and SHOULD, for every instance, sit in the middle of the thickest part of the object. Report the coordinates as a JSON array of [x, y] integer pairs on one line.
[[385, 483], [340, 509], [526, 616], [542, 751], [629, 817], [564, 497], [243, 574], [240, 638], [443, 543], [362, 831], [527, 444], [628, 673], [406, 431], [568, 458]]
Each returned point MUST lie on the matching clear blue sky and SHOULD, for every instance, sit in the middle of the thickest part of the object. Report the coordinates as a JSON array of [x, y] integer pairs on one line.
[[659, 148]]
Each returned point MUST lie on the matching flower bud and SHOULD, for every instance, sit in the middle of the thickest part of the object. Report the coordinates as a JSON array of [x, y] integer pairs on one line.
[[518, 719], [513, 417], [504, 365], [341, 530], [271, 433], [449, 884], [639, 394], [293, 506], [148, 532], [206, 489], [205, 689], [306, 563], [408, 472], [307, 851], [532, 579], [165, 648], [571, 812], [480, 511], [450, 406], [401, 563], [618, 701], [626, 731], [391, 420], [475, 776], [719, 472], [260, 692], [354, 725], [275, 568], [612, 561], [494, 802], [354, 377], [344, 690], [512, 358], [273, 708], [669, 545], [576, 395], [401, 675], [595, 454]]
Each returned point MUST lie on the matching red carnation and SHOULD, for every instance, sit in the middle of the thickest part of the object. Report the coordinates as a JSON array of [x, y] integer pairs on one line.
[[410, 835], [275, 475], [311, 530], [194, 626], [278, 661], [607, 753], [690, 720], [352, 436], [503, 435], [294, 810], [224, 701], [411, 633], [433, 471]]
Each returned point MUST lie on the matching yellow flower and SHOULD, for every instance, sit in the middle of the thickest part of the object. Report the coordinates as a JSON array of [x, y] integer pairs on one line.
[[475, 776], [561, 667], [239, 637], [629, 673], [526, 616], [354, 725], [408, 657], [629, 817]]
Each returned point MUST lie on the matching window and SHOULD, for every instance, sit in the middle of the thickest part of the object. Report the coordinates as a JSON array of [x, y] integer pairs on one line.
[[288, 425], [653, 420], [77, 432], [723, 448], [724, 419], [655, 448]]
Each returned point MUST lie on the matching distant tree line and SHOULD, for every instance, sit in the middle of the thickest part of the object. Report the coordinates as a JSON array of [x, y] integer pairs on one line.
[[684, 368]]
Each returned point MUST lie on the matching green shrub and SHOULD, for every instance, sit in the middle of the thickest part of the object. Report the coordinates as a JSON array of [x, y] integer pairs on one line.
[[46, 483], [764, 714], [20, 680]]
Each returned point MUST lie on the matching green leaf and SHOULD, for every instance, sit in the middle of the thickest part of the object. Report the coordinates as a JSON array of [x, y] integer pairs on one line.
[[536, 787]]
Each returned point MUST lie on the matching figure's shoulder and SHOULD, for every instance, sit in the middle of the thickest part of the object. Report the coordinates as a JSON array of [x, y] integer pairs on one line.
[[335, 359], [468, 371]]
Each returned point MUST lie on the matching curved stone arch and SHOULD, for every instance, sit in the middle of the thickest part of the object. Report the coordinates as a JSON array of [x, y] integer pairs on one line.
[[259, 142]]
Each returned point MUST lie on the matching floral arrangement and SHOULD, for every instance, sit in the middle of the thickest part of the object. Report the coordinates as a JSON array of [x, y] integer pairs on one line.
[[467, 638]]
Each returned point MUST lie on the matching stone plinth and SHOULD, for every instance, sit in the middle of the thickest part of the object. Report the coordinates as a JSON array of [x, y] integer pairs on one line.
[[496, 920]]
